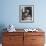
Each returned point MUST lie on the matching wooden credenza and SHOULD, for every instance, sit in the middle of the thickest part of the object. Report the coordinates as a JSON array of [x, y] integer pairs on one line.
[[23, 39]]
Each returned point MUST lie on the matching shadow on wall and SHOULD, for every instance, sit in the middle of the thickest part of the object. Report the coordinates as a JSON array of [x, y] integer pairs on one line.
[[2, 26]]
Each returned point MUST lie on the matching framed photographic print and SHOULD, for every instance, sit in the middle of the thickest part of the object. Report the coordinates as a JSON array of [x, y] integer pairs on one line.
[[26, 13]]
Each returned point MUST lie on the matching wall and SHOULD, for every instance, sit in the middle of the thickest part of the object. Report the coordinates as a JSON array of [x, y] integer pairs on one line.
[[9, 13]]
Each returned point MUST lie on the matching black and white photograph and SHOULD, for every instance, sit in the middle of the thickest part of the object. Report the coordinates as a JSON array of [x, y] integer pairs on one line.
[[26, 13]]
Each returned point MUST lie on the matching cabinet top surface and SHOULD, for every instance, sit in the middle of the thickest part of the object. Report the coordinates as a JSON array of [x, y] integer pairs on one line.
[[22, 30]]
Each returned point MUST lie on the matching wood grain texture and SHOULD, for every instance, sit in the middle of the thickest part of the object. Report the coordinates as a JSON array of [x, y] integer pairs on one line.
[[23, 39], [13, 39], [34, 39]]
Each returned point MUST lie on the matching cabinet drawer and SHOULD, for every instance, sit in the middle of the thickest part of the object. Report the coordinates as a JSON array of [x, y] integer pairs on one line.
[[12, 39], [9, 45], [34, 33], [13, 33], [12, 44], [37, 39], [37, 44]]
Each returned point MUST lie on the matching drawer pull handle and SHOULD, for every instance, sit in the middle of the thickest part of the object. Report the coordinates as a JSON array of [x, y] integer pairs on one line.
[[33, 39]]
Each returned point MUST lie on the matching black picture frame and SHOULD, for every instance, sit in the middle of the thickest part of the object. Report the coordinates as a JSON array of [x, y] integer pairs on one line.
[[26, 13]]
